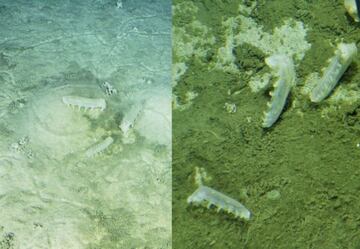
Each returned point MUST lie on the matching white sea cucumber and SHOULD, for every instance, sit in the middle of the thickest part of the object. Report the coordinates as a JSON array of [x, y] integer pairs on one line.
[[350, 6], [83, 102], [130, 118], [284, 69], [208, 196], [338, 64], [99, 147]]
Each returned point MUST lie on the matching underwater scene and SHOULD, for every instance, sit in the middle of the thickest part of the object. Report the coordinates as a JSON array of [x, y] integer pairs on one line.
[[266, 124], [85, 124]]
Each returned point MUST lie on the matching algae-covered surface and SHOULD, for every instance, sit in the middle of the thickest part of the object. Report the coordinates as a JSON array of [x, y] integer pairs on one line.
[[85, 124], [300, 179]]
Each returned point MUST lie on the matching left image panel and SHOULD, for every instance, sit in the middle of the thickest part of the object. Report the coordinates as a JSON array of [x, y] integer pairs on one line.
[[85, 124]]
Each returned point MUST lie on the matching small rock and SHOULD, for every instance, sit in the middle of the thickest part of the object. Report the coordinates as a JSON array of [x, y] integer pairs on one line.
[[273, 195], [230, 107]]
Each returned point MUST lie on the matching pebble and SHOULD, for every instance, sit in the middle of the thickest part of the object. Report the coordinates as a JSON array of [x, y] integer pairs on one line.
[[273, 195]]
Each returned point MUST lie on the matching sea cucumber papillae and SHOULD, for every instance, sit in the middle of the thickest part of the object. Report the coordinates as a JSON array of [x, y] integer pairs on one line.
[[338, 64], [208, 196], [283, 67], [83, 102]]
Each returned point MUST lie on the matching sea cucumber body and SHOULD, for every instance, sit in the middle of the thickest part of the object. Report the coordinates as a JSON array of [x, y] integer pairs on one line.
[[285, 71], [83, 102], [209, 196], [332, 74], [350, 6], [130, 118], [98, 148]]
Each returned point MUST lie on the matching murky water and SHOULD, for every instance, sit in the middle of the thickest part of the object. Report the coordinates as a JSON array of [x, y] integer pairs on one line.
[[62, 183]]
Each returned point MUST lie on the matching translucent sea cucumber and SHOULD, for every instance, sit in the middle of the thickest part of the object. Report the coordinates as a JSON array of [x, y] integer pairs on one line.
[[350, 6], [284, 69], [98, 148], [130, 118], [83, 102], [208, 196], [338, 64]]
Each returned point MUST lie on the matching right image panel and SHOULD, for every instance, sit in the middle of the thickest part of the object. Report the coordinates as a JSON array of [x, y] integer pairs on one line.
[[266, 131]]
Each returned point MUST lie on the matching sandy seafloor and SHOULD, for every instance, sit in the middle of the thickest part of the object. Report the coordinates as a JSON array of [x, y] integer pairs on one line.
[[300, 178], [52, 195]]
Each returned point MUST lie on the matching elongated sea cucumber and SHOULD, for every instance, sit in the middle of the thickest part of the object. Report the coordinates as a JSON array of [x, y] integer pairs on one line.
[[338, 64], [284, 69], [208, 196], [130, 118], [99, 147], [83, 102], [352, 9]]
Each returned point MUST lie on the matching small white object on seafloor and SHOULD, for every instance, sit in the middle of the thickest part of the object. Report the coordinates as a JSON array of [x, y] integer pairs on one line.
[[119, 4], [230, 107], [109, 89]]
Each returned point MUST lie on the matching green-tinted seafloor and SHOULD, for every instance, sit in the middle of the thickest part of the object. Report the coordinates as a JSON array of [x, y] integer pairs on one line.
[[310, 155]]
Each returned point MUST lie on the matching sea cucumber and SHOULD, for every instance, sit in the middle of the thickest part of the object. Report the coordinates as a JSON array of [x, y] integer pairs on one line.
[[284, 70], [99, 147], [338, 64], [208, 196], [87, 103], [130, 118], [351, 7]]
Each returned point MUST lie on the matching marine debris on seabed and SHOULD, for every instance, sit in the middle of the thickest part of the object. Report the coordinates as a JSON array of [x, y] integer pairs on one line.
[[283, 68], [108, 88], [338, 64], [211, 197]]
